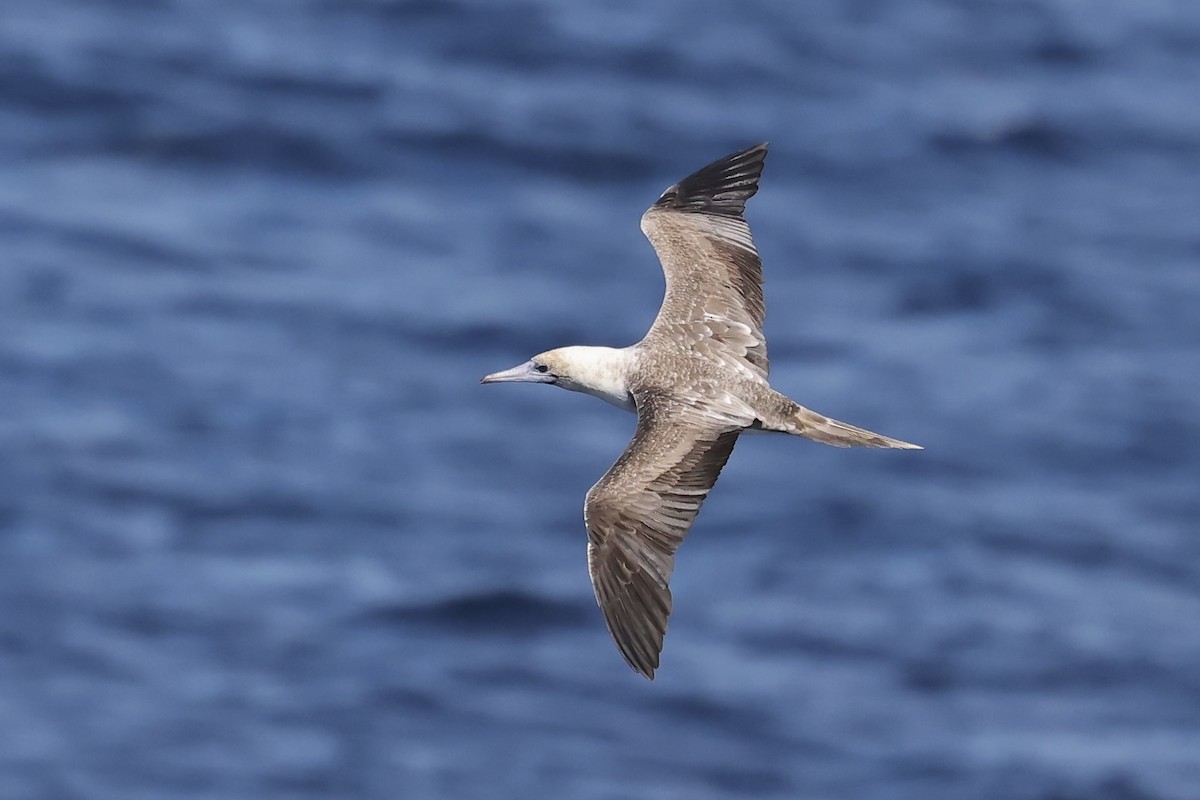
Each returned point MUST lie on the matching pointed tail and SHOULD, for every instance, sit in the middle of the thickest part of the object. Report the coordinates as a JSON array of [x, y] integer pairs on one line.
[[820, 428], [788, 416]]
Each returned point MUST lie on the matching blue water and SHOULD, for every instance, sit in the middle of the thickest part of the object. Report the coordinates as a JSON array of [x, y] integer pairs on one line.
[[263, 535]]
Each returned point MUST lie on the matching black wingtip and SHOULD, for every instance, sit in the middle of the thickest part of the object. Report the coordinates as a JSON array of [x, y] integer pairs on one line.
[[722, 187]]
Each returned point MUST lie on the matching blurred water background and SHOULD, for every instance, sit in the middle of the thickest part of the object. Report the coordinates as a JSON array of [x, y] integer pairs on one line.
[[262, 535]]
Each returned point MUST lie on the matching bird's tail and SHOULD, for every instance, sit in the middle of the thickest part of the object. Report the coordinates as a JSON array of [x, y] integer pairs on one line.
[[800, 421]]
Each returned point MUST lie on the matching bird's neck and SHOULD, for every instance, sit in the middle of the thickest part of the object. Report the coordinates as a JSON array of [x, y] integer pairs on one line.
[[602, 372]]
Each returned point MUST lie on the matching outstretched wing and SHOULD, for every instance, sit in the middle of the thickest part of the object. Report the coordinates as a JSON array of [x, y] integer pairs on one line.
[[637, 516], [714, 298]]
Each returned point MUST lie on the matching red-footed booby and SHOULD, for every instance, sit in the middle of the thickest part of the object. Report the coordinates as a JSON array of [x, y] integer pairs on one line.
[[696, 381]]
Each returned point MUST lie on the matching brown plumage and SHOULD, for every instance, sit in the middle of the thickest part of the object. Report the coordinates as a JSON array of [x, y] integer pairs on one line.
[[696, 380]]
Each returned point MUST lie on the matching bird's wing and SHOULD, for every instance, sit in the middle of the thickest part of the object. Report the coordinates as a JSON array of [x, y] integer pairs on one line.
[[638, 514], [714, 297]]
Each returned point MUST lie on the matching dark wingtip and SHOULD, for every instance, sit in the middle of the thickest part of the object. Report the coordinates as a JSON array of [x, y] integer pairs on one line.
[[722, 187], [645, 669]]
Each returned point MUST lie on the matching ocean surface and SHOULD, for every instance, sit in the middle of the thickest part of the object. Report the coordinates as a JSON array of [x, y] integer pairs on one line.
[[263, 534]]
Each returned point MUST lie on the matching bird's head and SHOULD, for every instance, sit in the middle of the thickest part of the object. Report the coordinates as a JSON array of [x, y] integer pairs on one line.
[[598, 371], [549, 367]]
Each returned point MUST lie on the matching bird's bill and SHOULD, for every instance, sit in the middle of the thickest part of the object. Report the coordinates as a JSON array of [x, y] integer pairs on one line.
[[522, 373]]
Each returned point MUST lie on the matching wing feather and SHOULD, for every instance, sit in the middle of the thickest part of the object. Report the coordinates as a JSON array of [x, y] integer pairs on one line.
[[637, 515], [714, 296]]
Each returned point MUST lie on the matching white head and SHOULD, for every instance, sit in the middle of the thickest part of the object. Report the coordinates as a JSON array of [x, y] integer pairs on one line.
[[598, 371]]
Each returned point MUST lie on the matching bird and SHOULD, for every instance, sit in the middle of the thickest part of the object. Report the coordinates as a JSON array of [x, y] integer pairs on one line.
[[697, 380]]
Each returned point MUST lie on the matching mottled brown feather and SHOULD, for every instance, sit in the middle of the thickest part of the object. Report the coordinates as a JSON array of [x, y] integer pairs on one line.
[[712, 268], [637, 515]]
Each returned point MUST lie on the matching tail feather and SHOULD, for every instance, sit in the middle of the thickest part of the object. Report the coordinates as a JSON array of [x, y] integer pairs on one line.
[[820, 428], [778, 412]]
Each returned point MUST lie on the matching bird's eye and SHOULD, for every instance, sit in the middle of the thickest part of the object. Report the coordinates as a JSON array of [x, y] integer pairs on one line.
[[541, 367]]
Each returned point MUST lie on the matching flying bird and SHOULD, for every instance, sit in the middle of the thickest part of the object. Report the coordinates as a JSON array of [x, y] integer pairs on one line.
[[696, 381]]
